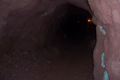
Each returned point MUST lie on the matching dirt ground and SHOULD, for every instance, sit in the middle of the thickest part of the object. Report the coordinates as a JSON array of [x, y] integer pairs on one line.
[[65, 59]]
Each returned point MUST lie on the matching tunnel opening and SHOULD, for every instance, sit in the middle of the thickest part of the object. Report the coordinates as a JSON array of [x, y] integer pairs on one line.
[[55, 45], [75, 26], [76, 39]]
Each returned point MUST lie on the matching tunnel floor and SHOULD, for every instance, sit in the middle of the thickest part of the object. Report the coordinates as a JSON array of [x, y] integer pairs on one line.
[[65, 59], [76, 61]]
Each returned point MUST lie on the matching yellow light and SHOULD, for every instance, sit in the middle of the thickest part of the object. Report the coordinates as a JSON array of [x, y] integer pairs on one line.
[[89, 20]]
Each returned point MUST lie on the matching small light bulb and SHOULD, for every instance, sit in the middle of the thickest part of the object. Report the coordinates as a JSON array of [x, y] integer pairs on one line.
[[89, 20]]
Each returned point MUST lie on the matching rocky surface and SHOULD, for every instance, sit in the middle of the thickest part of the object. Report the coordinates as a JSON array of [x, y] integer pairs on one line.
[[107, 16], [64, 60], [26, 26]]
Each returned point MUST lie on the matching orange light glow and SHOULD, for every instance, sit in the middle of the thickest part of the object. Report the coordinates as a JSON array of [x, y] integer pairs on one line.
[[89, 20], [78, 21]]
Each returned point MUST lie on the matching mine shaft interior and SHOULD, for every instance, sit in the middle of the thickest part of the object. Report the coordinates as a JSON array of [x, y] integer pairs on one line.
[[76, 40], [66, 55]]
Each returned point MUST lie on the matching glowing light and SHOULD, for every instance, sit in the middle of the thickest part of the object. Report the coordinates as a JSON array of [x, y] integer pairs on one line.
[[78, 21], [89, 20]]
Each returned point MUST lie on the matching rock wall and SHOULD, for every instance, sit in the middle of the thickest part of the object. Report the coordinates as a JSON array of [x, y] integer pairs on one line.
[[19, 23], [106, 53]]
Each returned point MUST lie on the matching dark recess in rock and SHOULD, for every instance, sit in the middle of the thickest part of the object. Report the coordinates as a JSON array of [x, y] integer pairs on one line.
[[47, 42]]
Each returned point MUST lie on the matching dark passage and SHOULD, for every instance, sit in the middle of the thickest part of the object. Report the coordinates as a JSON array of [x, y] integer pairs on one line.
[[76, 26], [75, 42], [68, 56]]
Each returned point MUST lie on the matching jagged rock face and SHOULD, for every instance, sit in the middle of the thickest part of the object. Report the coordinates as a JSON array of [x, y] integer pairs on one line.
[[106, 53], [18, 17]]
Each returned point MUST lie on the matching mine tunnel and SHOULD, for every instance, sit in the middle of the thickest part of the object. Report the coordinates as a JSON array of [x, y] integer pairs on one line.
[[59, 40], [75, 40], [60, 49]]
